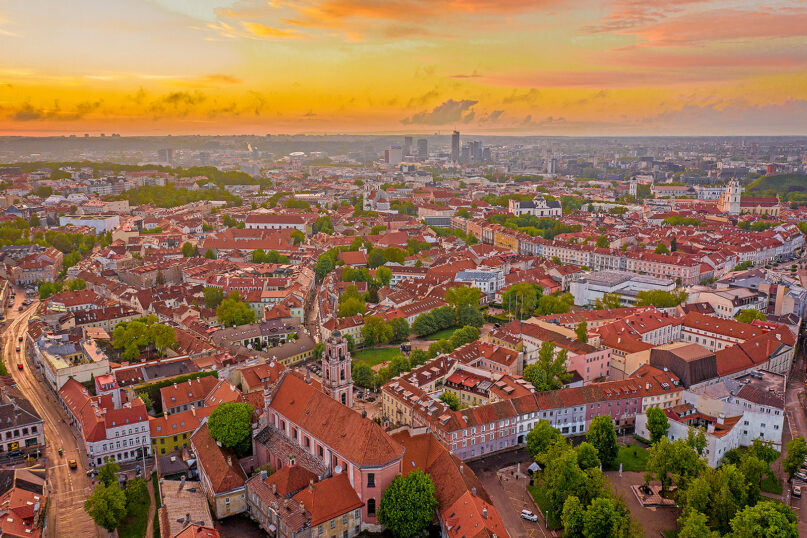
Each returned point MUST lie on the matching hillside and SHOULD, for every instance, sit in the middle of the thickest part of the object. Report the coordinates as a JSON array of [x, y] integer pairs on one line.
[[785, 185]]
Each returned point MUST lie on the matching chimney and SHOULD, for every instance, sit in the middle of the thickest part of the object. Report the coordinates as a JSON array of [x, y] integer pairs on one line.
[[721, 418], [274, 488], [187, 518], [473, 491], [182, 482], [302, 507], [229, 461], [485, 513], [462, 467], [311, 485], [264, 474]]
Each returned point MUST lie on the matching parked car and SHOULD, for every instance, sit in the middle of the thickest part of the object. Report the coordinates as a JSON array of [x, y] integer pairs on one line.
[[801, 475], [529, 516], [797, 491]]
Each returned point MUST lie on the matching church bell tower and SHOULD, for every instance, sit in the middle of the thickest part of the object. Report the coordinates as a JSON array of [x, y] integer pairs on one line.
[[337, 380]]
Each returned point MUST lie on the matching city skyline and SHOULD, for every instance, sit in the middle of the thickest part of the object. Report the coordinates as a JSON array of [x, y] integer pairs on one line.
[[584, 67]]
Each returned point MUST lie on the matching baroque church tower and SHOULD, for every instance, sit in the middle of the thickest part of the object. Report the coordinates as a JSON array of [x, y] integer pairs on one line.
[[337, 381]]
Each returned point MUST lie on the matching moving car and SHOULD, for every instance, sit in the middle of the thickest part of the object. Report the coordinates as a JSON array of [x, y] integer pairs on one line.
[[18, 349], [72, 464], [19, 366], [19, 339], [529, 516]]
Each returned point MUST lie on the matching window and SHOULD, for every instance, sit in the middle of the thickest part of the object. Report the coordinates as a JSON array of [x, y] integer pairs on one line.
[[333, 523], [371, 507], [370, 480]]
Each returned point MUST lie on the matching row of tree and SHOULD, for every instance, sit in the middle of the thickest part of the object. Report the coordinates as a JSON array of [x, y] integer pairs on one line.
[[109, 505], [576, 490], [137, 335], [46, 289]]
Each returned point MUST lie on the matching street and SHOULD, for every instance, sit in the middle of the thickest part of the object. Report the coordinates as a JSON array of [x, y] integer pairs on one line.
[[68, 489], [797, 425]]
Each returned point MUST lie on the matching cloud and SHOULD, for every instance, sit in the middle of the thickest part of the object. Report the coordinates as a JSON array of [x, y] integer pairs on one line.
[[262, 31], [471, 75], [736, 117], [493, 117], [517, 96], [628, 14], [217, 78], [27, 112], [448, 112], [423, 99]]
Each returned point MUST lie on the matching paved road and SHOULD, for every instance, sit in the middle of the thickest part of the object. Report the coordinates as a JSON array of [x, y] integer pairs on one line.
[[69, 489], [796, 426]]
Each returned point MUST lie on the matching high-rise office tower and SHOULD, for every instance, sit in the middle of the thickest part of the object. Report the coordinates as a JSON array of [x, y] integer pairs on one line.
[[455, 147], [407, 147], [423, 149]]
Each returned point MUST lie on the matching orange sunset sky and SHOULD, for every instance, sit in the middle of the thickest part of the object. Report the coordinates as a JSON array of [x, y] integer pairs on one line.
[[547, 67]]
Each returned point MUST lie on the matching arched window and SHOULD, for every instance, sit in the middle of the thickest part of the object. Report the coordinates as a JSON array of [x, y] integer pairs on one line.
[[344, 398], [342, 374], [370, 507]]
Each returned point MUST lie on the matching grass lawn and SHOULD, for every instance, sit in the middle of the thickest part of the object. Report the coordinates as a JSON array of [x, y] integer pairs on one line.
[[373, 356], [538, 493], [445, 334], [771, 484], [632, 458]]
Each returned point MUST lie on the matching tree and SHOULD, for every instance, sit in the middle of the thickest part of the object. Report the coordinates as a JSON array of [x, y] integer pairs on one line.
[[602, 435], [463, 336], [748, 315], [213, 297], [297, 236], [136, 491], [581, 331], [673, 244], [670, 461], [400, 330], [231, 425], [660, 298], [384, 275], [587, 456], [522, 299], [754, 470], [408, 504], [657, 423], [375, 258], [468, 315], [661, 248], [450, 399], [418, 357], [554, 304], [562, 477], [106, 506], [696, 439], [796, 451], [210, 255], [424, 325], [351, 306], [572, 518], [165, 337], [146, 400], [108, 473], [542, 436], [692, 524], [233, 311], [323, 225], [602, 242], [601, 519], [549, 372], [608, 301], [188, 250], [376, 331], [460, 296], [766, 518], [764, 451], [362, 374]]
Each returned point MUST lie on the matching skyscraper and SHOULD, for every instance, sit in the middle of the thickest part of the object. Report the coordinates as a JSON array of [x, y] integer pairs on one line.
[[407, 147], [423, 149], [455, 147]]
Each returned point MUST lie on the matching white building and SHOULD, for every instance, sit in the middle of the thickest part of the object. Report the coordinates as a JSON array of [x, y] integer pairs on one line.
[[101, 223], [537, 207], [587, 289], [487, 281]]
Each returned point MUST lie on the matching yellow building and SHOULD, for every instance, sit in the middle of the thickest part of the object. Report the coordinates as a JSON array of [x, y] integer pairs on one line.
[[172, 432]]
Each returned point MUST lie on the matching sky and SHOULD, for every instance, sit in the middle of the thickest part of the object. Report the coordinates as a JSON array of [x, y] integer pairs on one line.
[[521, 67]]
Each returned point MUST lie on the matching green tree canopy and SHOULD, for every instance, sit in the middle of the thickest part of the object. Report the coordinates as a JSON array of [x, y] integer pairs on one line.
[[581, 331], [748, 315], [660, 298], [213, 297], [451, 400], [541, 437], [231, 425], [796, 452], [460, 296], [408, 504], [188, 250], [106, 505], [522, 299], [657, 423], [549, 372], [602, 435], [233, 311], [768, 518]]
